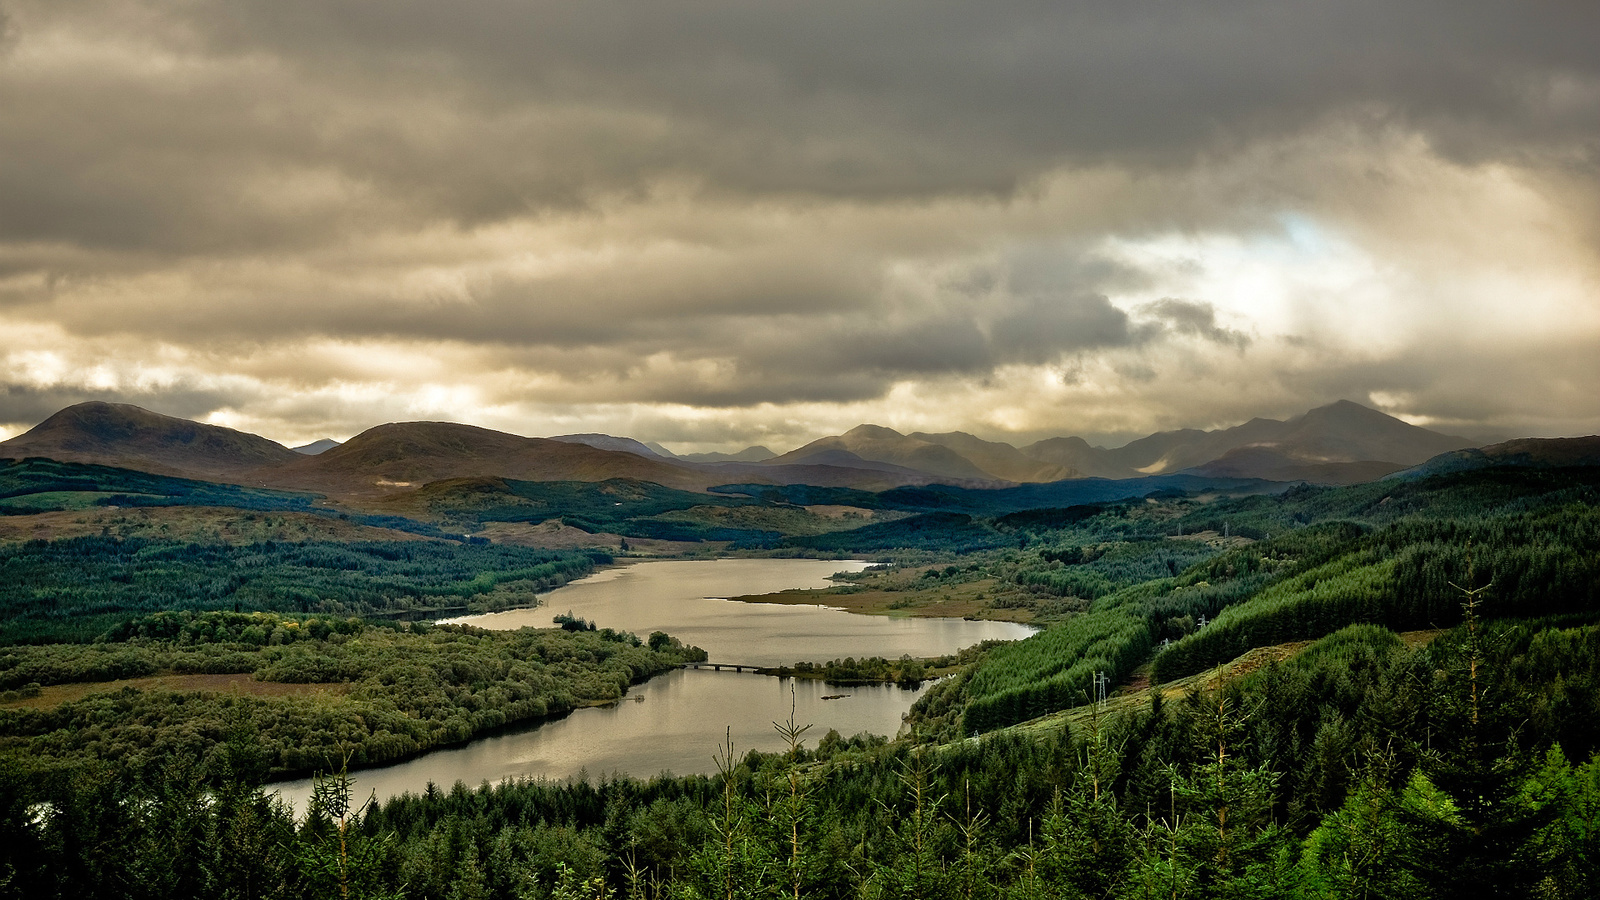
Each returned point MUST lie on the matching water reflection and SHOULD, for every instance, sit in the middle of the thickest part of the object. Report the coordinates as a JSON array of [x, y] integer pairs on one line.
[[684, 714], [677, 727], [683, 598]]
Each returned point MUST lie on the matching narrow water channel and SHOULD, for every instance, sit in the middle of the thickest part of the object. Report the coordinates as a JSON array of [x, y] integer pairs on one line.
[[683, 716]]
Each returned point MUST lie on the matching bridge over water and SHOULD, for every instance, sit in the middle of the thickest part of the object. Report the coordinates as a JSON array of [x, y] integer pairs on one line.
[[720, 666]]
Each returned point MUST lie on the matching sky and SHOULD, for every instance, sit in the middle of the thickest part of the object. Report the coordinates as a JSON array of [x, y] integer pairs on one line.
[[716, 223]]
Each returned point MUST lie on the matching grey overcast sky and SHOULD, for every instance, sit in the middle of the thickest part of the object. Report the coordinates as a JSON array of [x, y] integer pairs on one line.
[[714, 223]]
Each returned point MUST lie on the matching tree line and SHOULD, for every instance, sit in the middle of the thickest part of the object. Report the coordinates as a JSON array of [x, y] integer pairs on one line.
[[366, 693], [77, 589], [1361, 767]]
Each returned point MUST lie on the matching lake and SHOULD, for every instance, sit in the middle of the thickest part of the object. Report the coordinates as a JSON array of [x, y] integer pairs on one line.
[[685, 598], [683, 717]]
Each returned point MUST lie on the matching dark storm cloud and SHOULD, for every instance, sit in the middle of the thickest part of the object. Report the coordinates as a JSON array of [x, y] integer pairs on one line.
[[838, 356], [964, 339], [1035, 78], [480, 110], [1195, 319]]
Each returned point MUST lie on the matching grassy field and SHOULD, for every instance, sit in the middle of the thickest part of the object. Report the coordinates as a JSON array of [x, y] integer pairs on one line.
[[788, 520], [556, 535], [969, 600], [239, 684]]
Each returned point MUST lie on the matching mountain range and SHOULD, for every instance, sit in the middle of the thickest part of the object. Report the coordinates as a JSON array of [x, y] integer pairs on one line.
[[1341, 443]]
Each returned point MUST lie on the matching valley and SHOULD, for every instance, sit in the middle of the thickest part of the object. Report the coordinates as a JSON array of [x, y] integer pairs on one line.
[[484, 634]]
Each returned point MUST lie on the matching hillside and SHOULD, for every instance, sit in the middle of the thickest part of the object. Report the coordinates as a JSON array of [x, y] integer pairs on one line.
[[1343, 443], [402, 455], [1294, 566], [1536, 453], [1076, 455], [117, 434], [388, 458], [1274, 464], [1172, 451], [1350, 432]]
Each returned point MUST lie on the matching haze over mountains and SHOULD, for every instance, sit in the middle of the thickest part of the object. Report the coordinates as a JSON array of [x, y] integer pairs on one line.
[[1343, 442], [315, 447]]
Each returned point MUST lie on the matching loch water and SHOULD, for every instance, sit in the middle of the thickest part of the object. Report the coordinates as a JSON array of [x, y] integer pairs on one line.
[[676, 722]]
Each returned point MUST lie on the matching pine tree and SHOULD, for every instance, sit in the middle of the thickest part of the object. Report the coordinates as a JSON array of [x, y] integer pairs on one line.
[[733, 865], [1088, 843], [1357, 851], [1472, 821], [333, 858], [919, 872], [792, 813], [1218, 839]]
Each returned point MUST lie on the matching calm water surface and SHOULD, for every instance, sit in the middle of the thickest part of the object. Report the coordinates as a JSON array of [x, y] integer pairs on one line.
[[680, 724], [681, 721], [685, 598]]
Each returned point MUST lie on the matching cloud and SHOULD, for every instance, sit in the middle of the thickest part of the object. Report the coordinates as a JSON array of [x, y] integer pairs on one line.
[[698, 216], [282, 122], [1187, 317]]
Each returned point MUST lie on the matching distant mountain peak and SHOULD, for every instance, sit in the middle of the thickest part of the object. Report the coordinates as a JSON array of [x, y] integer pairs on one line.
[[755, 454], [318, 446], [877, 444], [873, 432], [609, 442], [1347, 410]]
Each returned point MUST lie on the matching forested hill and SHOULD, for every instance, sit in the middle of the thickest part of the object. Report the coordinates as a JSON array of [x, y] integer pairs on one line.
[[1298, 566], [76, 590]]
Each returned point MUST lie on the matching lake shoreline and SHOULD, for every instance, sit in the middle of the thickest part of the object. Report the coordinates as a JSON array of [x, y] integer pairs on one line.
[[685, 713], [665, 736], [965, 604]]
